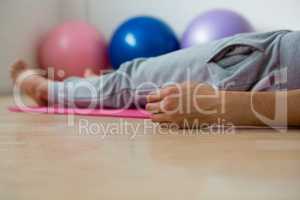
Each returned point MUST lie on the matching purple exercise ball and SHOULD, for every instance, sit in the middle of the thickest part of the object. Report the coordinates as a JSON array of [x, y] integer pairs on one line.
[[214, 25]]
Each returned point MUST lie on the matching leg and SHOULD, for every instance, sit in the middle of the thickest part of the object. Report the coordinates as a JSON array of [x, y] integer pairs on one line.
[[111, 90], [32, 83]]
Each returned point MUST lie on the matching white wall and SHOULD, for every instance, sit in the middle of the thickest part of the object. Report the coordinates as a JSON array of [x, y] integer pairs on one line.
[[75, 9], [22, 23]]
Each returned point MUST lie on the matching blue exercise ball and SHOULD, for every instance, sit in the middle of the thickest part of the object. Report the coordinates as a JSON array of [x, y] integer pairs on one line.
[[141, 37]]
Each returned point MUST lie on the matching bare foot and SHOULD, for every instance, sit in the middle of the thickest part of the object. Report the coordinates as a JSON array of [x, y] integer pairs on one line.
[[30, 82], [186, 105]]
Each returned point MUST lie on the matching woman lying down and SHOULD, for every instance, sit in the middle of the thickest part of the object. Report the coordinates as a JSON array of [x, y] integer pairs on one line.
[[248, 79]]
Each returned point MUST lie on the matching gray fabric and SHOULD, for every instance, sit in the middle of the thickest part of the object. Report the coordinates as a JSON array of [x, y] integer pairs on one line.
[[255, 61]]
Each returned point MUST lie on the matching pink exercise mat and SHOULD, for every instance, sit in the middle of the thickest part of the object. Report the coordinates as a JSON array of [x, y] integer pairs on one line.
[[128, 113]]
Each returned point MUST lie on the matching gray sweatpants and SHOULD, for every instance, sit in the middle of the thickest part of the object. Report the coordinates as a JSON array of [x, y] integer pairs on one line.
[[255, 61]]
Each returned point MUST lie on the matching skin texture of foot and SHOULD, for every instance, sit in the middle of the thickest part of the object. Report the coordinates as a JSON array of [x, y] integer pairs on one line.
[[30, 82], [89, 73], [182, 104]]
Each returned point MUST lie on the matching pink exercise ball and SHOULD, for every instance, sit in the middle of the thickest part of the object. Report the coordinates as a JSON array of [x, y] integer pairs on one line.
[[72, 48]]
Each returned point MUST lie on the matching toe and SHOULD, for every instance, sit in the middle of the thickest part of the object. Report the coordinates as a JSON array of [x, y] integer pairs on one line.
[[89, 73], [17, 68]]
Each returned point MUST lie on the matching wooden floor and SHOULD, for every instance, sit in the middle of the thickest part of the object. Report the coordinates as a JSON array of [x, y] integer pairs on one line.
[[41, 157]]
